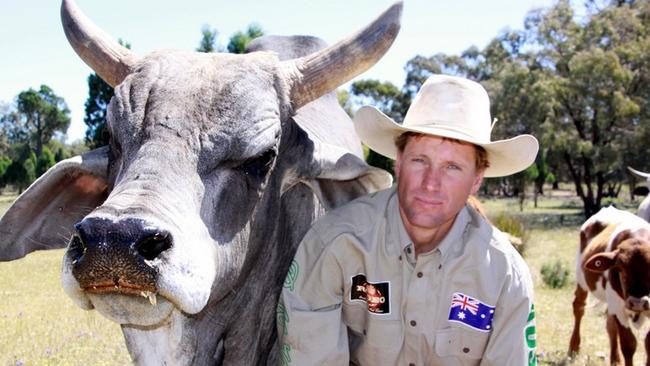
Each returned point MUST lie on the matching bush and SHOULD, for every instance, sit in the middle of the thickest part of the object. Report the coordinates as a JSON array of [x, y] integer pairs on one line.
[[555, 275], [511, 225]]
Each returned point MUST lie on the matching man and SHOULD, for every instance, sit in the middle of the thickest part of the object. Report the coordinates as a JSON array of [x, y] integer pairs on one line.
[[413, 275]]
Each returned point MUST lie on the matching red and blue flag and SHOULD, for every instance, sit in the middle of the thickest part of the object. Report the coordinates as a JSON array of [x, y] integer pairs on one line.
[[471, 312]]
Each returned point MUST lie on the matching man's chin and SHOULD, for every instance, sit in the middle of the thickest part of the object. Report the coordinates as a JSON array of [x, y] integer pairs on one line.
[[135, 310]]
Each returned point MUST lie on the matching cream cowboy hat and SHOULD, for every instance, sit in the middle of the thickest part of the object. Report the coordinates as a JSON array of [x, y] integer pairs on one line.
[[450, 107]]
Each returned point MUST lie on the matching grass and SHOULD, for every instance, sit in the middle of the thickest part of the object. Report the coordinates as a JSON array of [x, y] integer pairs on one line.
[[41, 326]]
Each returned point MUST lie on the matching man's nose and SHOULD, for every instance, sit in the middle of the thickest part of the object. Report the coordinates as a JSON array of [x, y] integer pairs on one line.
[[431, 180]]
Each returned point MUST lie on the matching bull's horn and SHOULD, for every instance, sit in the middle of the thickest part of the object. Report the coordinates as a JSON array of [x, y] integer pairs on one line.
[[323, 71], [638, 173], [110, 60]]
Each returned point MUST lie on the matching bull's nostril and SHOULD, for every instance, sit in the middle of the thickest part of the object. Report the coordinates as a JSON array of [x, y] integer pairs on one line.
[[151, 246], [77, 248]]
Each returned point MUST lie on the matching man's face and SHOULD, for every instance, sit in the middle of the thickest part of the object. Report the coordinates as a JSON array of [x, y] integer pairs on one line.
[[434, 179]]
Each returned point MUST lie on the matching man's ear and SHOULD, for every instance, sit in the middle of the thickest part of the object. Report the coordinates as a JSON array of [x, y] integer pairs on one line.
[[398, 164], [477, 181]]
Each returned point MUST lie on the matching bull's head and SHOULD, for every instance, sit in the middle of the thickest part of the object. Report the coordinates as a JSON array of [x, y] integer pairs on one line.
[[628, 272], [202, 182]]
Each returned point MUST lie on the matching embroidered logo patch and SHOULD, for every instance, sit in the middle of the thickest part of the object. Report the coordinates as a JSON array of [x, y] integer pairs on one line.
[[375, 294], [292, 275], [531, 337], [471, 312]]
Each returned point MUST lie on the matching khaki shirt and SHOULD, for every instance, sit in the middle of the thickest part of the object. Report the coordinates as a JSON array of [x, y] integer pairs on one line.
[[356, 294]]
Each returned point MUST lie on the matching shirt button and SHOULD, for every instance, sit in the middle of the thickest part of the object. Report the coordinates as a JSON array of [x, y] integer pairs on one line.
[[400, 257], [364, 332], [408, 250], [420, 275], [440, 266], [465, 350], [411, 364], [413, 323]]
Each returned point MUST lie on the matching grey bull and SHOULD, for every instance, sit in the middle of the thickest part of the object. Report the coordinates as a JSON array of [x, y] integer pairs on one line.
[[183, 228]]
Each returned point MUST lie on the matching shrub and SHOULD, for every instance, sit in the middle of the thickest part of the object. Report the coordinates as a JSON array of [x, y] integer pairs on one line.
[[511, 225], [555, 275]]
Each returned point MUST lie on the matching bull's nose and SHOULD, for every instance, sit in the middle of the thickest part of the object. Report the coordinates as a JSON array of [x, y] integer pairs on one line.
[[115, 254]]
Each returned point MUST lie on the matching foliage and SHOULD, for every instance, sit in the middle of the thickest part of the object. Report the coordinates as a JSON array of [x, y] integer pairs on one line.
[[44, 162], [555, 275], [5, 162], [598, 86], [208, 40], [387, 98], [22, 170], [240, 40], [39, 115], [343, 97], [513, 226], [99, 95]]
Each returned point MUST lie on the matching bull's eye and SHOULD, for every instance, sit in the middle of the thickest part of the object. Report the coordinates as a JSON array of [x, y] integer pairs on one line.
[[258, 167]]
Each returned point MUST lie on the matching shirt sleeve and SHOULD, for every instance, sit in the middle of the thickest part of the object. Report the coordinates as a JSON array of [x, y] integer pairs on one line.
[[310, 327], [513, 341]]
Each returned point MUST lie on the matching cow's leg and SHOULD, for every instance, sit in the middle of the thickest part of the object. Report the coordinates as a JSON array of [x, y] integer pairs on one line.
[[612, 331], [578, 311], [628, 342]]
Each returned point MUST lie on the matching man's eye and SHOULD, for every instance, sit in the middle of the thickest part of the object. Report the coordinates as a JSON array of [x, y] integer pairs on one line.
[[453, 167], [417, 160]]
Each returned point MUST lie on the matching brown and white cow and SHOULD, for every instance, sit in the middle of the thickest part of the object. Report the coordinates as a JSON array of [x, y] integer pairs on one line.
[[613, 265]]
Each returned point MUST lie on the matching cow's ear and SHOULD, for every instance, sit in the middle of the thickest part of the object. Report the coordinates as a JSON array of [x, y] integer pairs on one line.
[[344, 176], [600, 262], [43, 216]]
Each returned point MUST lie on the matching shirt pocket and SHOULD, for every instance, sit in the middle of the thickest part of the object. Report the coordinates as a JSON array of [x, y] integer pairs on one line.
[[381, 342], [463, 344]]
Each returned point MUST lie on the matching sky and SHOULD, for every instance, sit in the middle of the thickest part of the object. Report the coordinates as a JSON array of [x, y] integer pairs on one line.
[[34, 50]]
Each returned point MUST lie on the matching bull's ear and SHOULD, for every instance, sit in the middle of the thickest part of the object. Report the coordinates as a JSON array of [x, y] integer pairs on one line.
[[344, 176], [335, 170], [43, 216], [600, 262]]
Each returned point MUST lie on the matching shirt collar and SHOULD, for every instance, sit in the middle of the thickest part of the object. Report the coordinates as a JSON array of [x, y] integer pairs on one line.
[[401, 237]]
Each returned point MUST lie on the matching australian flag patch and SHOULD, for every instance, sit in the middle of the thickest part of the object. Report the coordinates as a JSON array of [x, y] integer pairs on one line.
[[471, 312]]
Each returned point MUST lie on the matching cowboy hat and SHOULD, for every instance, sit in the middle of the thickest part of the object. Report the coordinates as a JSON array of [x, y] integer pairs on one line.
[[451, 107]]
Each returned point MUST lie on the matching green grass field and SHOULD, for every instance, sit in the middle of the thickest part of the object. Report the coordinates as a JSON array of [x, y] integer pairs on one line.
[[39, 325]]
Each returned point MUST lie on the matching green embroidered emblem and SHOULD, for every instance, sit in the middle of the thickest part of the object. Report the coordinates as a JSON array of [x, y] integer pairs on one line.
[[531, 337], [532, 358], [285, 355], [292, 275], [282, 317]]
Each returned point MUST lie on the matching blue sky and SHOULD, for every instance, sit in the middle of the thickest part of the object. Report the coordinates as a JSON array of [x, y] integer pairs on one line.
[[34, 50]]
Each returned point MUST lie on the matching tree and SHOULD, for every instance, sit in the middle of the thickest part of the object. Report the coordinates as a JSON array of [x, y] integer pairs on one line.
[[41, 114], [5, 162], [44, 162], [99, 95], [387, 98], [240, 40], [598, 82], [21, 172], [208, 40]]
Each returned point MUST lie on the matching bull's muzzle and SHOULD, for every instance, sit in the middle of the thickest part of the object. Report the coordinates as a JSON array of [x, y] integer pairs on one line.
[[117, 256]]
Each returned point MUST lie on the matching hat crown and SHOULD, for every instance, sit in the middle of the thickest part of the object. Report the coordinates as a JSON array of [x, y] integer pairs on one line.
[[456, 104]]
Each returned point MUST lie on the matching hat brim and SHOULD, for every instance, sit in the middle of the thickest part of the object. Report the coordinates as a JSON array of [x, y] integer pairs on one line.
[[378, 132]]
